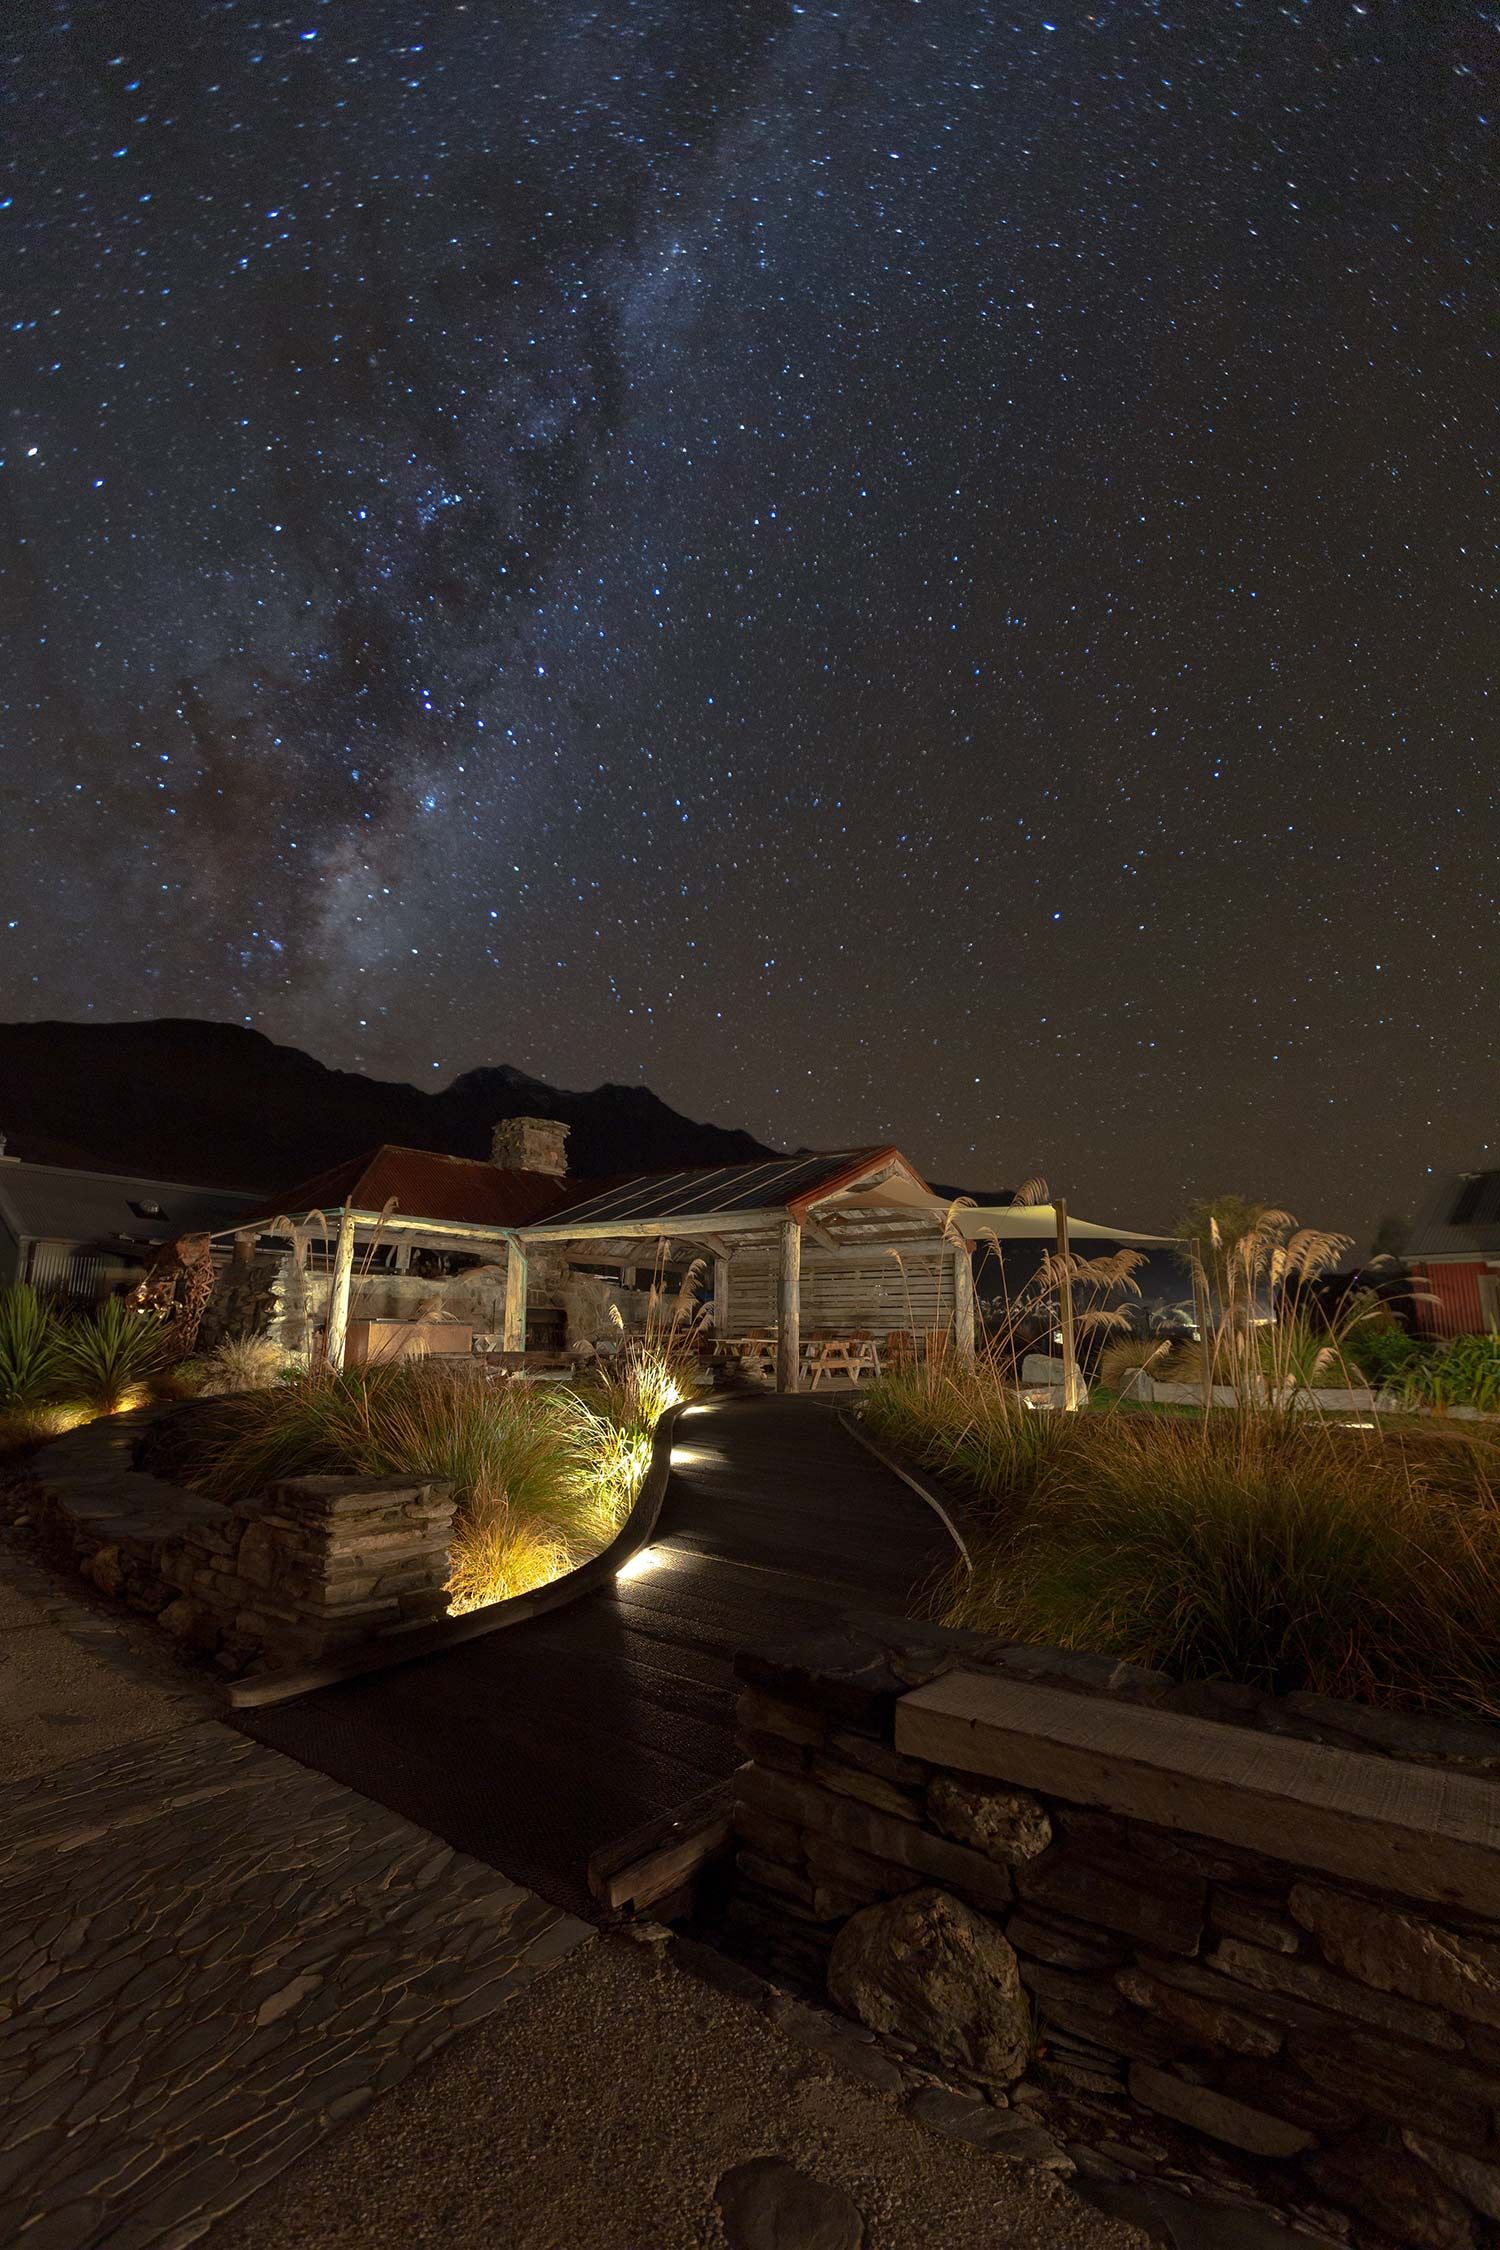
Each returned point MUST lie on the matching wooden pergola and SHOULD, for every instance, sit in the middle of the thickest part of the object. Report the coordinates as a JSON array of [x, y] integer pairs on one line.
[[824, 1217]]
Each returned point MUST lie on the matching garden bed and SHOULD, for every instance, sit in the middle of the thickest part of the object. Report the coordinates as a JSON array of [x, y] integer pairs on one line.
[[286, 1524], [1275, 1552]]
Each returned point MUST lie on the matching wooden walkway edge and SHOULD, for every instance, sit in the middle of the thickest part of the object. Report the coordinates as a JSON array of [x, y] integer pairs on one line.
[[592, 1730]]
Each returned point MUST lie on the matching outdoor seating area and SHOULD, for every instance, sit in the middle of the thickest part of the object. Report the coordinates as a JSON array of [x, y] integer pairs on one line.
[[826, 1357], [824, 1269]]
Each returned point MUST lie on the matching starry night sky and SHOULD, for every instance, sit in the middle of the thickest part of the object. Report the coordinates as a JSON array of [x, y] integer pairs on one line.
[[916, 571]]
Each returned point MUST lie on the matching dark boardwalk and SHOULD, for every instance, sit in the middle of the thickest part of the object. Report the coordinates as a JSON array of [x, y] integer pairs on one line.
[[535, 1746]]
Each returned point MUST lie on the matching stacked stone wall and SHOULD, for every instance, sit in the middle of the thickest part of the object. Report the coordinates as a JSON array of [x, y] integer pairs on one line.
[[1296, 1957], [312, 1566]]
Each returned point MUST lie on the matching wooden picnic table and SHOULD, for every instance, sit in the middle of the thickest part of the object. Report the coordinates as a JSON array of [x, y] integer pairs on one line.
[[821, 1355], [839, 1355], [756, 1353]]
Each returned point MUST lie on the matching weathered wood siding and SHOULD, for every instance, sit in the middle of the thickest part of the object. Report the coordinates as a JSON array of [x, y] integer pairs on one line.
[[841, 1292]]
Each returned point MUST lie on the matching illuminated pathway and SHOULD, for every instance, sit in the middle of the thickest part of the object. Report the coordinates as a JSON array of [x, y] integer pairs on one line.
[[533, 1748]]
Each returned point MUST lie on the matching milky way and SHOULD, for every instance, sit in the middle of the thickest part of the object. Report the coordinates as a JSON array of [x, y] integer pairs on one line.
[[920, 572]]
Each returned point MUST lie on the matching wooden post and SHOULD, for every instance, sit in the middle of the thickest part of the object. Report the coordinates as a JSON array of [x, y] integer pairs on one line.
[[337, 1327], [1203, 1315], [963, 1303], [721, 1294], [1065, 1308], [789, 1310], [514, 1333]]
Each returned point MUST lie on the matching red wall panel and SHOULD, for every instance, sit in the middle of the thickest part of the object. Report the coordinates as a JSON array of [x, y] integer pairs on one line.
[[1455, 1290]]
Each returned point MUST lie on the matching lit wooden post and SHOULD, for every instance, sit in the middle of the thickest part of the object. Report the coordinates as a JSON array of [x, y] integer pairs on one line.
[[789, 1309], [337, 1328], [513, 1338], [963, 1302], [1202, 1315], [1065, 1308], [721, 1294]]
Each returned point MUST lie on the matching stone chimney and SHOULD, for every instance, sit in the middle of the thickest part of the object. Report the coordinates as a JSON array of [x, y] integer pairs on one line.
[[531, 1144]]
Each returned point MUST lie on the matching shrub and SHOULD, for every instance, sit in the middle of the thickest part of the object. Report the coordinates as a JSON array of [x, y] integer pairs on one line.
[[1463, 1372], [1248, 1549], [107, 1358], [244, 1363], [30, 1359], [1386, 1355]]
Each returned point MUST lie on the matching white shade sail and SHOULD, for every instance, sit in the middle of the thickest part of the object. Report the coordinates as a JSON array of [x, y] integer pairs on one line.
[[986, 1222], [1037, 1222]]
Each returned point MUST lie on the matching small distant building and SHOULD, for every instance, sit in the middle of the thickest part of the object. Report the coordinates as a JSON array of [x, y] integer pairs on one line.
[[1454, 1256], [82, 1235]]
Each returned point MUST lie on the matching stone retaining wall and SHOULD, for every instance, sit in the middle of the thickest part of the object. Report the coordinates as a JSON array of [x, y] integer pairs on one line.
[[1290, 1947], [310, 1567]]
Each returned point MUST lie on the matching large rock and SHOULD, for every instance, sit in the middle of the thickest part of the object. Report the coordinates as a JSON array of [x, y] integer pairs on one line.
[[1399, 1952], [1005, 1824], [932, 1970], [769, 2204]]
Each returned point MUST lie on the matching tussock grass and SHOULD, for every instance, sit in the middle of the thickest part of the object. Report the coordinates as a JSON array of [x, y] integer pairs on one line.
[[543, 1477], [497, 1553], [242, 1363], [1256, 1546], [29, 1426], [1242, 1548], [415, 1417], [1151, 1354], [964, 1424]]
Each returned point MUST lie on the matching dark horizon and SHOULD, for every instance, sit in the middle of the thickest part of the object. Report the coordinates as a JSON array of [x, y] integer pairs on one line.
[[1104, 1205], [927, 578]]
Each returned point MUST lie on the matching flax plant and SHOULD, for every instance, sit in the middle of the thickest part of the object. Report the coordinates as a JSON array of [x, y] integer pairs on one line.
[[29, 1354], [107, 1358]]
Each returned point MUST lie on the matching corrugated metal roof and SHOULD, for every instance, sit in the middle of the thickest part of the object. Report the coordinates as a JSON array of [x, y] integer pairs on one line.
[[712, 1190], [424, 1185], [1461, 1218], [49, 1203]]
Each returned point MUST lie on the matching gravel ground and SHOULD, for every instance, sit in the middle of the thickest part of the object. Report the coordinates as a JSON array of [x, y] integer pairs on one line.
[[597, 2111], [58, 1700]]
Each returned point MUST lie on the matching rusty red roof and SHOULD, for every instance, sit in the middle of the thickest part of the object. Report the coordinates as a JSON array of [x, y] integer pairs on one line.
[[424, 1185]]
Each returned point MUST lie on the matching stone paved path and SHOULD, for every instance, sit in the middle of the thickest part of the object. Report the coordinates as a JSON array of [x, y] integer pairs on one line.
[[209, 1957]]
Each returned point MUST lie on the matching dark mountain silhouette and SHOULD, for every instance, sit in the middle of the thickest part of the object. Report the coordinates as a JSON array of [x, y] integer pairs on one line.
[[222, 1105]]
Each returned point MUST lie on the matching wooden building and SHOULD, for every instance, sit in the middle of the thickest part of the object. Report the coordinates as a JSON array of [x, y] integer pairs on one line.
[[848, 1240]]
